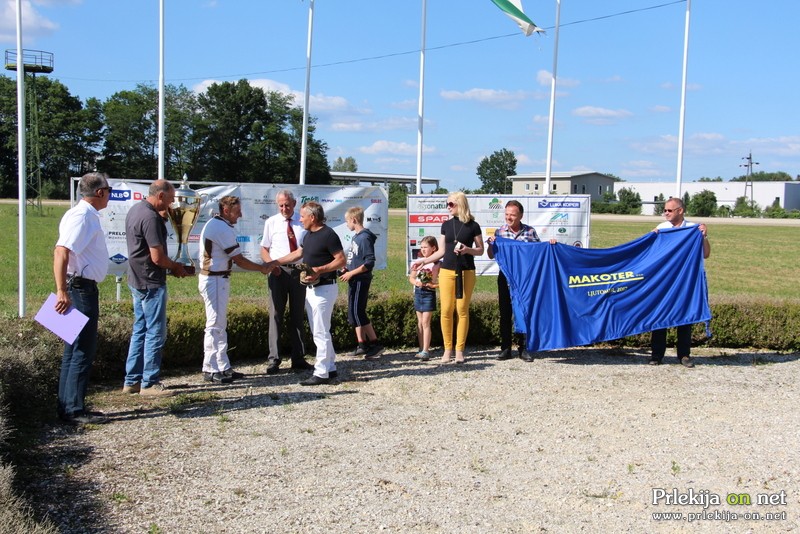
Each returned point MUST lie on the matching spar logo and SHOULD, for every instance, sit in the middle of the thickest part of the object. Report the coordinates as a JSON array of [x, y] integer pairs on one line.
[[495, 204], [428, 218], [561, 204], [585, 280]]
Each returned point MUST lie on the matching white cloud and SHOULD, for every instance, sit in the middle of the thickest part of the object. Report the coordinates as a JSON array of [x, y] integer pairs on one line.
[[395, 148], [541, 119], [494, 97], [658, 108], [411, 103], [33, 23], [658, 145], [392, 123], [600, 116], [544, 78]]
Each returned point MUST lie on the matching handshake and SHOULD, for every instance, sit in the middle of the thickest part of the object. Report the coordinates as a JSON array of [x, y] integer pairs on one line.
[[308, 276]]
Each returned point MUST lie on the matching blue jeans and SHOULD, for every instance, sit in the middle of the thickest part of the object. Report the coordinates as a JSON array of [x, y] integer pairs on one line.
[[148, 338], [76, 364]]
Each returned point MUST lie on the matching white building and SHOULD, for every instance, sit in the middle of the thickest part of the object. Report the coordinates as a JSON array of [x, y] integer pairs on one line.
[[563, 183], [763, 193]]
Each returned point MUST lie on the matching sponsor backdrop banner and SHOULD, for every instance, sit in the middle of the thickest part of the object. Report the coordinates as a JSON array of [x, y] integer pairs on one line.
[[565, 218], [565, 296], [258, 203]]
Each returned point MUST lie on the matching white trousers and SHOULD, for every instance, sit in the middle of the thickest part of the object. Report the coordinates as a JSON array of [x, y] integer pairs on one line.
[[319, 307], [215, 291]]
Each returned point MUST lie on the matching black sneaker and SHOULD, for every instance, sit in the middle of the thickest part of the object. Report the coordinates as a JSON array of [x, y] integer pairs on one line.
[[359, 350], [505, 354], [90, 418], [315, 381], [233, 375], [220, 378], [373, 351], [654, 360]]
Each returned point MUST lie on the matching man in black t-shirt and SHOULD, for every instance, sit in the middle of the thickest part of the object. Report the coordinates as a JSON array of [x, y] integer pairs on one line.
[[322, 250]]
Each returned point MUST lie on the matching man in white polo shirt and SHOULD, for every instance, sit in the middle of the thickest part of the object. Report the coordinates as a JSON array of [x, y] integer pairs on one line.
[[80, 261], [283, 234], [219, 250]]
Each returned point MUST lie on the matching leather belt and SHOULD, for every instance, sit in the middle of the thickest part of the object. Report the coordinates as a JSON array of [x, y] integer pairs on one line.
[[224, 274], [80, 280], [324, 283]]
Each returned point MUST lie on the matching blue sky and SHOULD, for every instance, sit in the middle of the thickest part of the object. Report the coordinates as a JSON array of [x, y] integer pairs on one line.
[[486, 85]]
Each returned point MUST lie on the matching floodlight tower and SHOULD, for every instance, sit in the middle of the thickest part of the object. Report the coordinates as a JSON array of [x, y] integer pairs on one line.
[[33, 62], [748, 180]]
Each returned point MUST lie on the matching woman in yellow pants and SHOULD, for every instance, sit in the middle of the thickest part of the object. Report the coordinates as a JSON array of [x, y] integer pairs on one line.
[[460, 242]]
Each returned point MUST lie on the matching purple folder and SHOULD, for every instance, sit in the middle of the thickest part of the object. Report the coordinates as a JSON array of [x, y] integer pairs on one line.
[[66, 326]]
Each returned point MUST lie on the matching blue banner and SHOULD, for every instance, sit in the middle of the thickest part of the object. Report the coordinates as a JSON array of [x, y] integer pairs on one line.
[[565, 296]]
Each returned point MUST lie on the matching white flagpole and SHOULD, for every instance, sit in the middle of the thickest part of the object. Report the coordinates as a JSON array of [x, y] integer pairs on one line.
[[161, 91], [307, 96], [549, 166], [421, 103], [682, 121], [22, 165]]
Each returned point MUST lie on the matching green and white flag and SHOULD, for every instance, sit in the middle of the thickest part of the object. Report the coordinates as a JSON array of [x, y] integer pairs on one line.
[[513, 8]]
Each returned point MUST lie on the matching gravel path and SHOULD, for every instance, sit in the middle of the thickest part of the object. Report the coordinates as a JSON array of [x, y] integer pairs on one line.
[[574, 442]]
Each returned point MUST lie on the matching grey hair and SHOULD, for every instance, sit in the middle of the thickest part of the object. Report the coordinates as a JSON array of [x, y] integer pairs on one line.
[[91, 182], [315, 210], [286, 193], [159, 186]]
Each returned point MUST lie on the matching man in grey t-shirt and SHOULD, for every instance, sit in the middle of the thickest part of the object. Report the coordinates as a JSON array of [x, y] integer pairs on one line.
[[146, 235]]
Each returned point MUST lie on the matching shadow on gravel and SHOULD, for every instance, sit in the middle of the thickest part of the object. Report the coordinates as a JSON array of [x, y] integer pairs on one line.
[[618, 356], [46, 476]]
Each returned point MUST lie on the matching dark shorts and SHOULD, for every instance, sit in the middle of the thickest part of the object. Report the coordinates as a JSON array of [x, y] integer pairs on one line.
[[424, 300]]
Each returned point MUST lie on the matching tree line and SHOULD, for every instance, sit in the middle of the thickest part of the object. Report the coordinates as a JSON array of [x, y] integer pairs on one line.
[[233, 132]]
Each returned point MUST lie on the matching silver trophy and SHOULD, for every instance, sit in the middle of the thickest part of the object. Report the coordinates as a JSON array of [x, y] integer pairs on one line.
[[183, 213]]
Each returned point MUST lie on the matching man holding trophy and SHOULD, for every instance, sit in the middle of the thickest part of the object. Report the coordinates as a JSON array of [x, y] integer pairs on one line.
[[148, 263], [219, 250]]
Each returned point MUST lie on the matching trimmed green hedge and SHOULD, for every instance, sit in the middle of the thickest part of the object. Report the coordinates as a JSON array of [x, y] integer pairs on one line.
[[762, 325]]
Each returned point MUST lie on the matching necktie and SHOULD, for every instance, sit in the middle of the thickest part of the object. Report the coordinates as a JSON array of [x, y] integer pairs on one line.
[[290, 235]]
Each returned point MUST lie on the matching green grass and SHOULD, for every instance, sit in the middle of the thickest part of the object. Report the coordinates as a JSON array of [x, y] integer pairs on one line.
[[747, 261]]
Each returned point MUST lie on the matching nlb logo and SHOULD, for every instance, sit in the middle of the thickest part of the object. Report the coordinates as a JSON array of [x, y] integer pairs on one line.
[[118, 259], [583, 280], [559, 204], [120, 195], [428, 218]]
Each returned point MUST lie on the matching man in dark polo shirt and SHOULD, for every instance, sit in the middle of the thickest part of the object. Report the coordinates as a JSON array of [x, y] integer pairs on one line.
[[322, 250], [146, 234]]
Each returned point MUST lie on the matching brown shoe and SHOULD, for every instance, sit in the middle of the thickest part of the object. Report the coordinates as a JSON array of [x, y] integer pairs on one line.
[[156, 390], [132, 390]]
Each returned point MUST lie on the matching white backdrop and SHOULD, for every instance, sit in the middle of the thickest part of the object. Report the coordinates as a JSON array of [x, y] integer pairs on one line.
[[565, 218], [258, 203]]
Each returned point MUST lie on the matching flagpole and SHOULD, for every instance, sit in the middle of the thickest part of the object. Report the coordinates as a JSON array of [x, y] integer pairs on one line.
[[682, 121], [307, 96], [22, 165], [549, 165], [161, 98], [421, 102]]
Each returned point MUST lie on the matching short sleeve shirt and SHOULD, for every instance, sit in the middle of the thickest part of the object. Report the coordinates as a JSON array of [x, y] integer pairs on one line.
[[276, 237], [319, 248], [218, 245], [144, 228], [80, 232], [454, 230]]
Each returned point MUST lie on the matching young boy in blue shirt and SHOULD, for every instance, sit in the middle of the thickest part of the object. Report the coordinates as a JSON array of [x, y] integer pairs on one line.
[[358, 275]]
